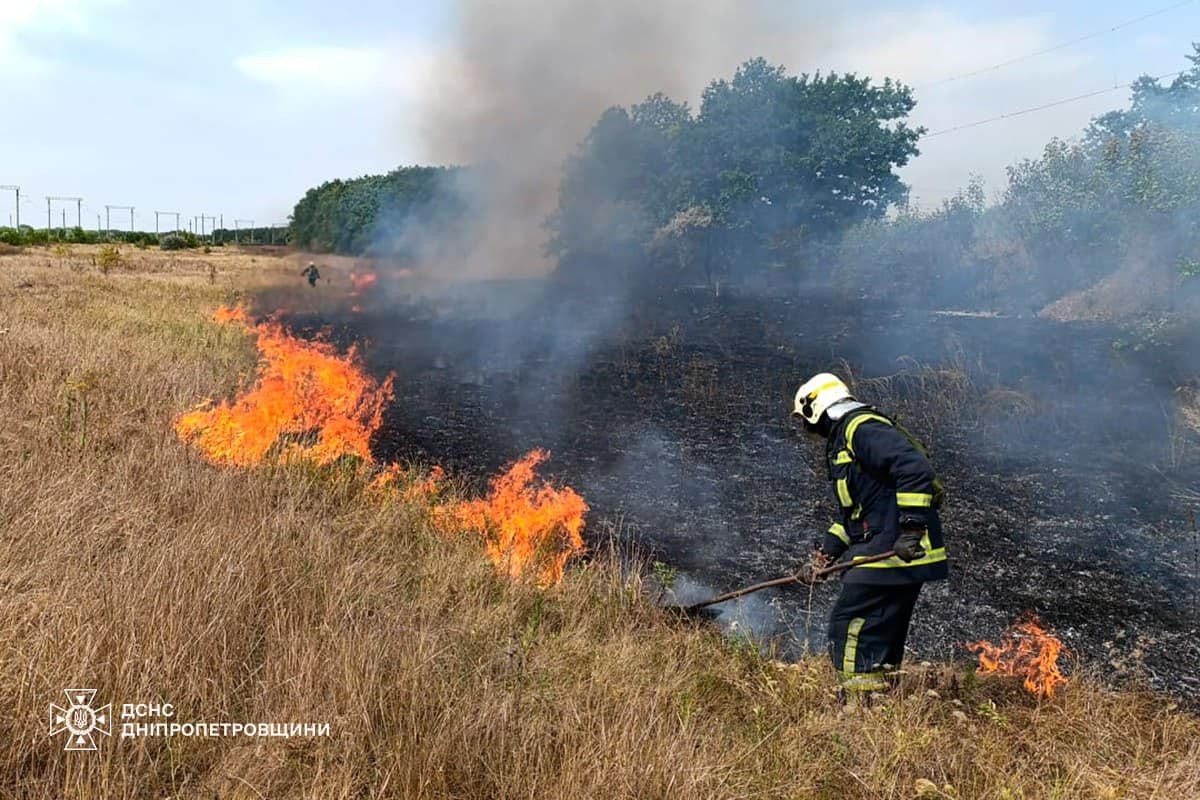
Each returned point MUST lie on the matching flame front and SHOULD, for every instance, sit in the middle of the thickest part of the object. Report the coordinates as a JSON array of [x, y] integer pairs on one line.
[[528, 529], [1027, 651], [237, 314], [308, 401], [311, 402]]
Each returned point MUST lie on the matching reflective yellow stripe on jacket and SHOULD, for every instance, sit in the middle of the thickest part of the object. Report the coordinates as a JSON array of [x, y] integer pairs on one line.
[[852, 426], [843, 490], [914, 499], [932, 556]]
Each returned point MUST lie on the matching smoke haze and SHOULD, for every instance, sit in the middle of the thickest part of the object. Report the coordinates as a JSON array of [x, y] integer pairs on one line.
[[526, 80]]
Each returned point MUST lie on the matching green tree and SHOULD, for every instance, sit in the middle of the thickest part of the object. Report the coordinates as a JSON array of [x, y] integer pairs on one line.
[[357, 215], [770, 163], [615, 186]]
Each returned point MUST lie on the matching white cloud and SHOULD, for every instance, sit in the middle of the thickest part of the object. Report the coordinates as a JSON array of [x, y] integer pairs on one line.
[[340, 68], [43, 17], [18, 13]]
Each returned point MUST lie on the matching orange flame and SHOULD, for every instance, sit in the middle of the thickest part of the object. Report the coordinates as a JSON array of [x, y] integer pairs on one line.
[[422, 489], [362, 282], [429, 485], [309, 401], [226, 315], [528, 529], [1026, 651]]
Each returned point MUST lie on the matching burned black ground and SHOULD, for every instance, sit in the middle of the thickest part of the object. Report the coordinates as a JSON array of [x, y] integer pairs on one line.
[[1070, 477]]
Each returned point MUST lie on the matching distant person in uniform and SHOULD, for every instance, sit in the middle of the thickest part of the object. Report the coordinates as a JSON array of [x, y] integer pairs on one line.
[[888, 496], [311, 273]]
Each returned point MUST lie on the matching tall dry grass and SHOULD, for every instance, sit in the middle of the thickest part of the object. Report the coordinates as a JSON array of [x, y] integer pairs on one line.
[[130, 566]]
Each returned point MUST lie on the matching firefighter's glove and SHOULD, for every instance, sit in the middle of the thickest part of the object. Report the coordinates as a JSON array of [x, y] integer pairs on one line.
[[908, 544]]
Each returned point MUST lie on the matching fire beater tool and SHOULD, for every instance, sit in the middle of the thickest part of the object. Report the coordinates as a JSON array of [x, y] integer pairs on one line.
[[787, 580]]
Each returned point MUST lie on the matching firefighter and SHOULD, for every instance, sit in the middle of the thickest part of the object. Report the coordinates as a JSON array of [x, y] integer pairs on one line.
[[889, 497], [310, 272]]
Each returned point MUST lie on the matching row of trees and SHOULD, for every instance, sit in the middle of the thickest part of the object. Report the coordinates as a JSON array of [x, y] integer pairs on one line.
[[777, 174], [372, 213], [769, 162], [28, 236], [1125, 195]]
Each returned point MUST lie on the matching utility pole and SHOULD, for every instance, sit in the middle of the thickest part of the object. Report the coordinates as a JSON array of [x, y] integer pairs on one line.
[[237, 224], [108, 216], [202, 218], [165, 214], [17, 190], [78, 201]]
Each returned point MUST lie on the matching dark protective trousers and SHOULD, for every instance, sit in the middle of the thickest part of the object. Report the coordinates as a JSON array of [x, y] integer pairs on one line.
[[867, 630]]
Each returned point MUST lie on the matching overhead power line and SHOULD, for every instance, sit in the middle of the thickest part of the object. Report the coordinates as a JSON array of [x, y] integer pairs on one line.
[[1053, 48], [1044, 106]]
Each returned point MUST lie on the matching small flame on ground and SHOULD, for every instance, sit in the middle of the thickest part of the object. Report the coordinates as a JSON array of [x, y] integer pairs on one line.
[[422, 489], [528, 529], [309, 401], [1027, 651], [362, 282], [427, 486], [226, 315]]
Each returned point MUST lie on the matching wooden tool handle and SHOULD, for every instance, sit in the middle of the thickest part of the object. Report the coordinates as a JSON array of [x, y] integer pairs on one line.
[[788, 579]]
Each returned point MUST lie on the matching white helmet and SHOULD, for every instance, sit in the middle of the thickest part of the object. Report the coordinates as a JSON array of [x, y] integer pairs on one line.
[[816, 396]]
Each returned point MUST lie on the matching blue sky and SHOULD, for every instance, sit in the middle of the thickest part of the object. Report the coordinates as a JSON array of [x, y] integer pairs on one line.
[[237, 108]]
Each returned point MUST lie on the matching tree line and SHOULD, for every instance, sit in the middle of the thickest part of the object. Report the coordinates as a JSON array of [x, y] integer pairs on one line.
[[787, 175], [1124, 195], [29, 236], [369, 213]]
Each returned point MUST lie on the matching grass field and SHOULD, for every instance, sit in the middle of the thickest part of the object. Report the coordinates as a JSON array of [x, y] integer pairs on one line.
[[294, 594]]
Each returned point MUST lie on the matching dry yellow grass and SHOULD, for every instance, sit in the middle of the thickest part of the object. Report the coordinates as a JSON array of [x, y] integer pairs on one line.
[[130, 566]]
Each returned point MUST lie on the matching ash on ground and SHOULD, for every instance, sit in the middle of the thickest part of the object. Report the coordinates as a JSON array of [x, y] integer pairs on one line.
[[1072, 482]]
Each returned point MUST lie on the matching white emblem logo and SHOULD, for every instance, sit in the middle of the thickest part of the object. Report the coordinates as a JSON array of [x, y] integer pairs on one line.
[[80, 719]]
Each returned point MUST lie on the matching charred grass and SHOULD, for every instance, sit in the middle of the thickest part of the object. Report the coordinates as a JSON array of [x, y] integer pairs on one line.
[[292, 594]]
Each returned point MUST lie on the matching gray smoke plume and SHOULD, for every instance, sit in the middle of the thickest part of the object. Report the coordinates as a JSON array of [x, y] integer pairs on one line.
[[526, 79]]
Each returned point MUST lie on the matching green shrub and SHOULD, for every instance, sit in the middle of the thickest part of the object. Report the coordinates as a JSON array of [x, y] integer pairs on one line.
[[80, 236], [108, 257], [172, 241]]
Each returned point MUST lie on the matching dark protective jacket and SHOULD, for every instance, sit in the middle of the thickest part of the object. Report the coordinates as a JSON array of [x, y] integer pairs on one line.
[[880, 479]]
